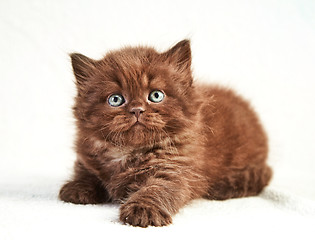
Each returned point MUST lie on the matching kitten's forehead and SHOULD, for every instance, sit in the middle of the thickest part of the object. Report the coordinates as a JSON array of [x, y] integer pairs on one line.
[[136, 69], [131, 78], [143, 82]]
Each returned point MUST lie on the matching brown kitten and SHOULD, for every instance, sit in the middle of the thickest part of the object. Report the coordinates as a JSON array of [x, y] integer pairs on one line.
[[151, 139]]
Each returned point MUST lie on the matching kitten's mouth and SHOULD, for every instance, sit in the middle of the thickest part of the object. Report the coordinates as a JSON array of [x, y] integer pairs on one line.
[[138, 124]]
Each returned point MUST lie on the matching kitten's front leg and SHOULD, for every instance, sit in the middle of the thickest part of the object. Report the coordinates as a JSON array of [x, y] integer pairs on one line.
[[85, 188], [155, 203]]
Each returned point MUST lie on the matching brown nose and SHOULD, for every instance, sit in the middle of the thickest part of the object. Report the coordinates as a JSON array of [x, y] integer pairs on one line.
[[137, 111]]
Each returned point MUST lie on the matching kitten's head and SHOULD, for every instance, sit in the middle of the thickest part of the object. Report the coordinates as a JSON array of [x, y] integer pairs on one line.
[[135, 96]]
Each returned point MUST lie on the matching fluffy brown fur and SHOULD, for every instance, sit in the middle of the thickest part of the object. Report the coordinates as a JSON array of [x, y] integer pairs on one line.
[[154, 157]]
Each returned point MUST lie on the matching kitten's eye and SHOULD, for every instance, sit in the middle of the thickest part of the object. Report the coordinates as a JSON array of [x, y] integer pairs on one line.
[[156, 96], [116, 100]]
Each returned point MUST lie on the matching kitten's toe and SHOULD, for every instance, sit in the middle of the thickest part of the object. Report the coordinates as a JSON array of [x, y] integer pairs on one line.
[[144, 215], [78, 193]]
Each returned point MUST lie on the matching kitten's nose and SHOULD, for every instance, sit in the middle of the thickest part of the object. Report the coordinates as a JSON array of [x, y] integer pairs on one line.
[[137, 111]]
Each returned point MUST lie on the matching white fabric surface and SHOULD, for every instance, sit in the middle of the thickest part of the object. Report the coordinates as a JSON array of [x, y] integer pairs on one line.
[[264, 49]]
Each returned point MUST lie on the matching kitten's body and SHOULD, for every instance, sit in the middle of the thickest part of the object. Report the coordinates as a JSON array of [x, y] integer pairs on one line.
[[200, 141]]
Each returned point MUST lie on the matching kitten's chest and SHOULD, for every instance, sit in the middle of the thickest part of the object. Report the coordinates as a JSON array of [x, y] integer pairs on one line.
[[125, 158]]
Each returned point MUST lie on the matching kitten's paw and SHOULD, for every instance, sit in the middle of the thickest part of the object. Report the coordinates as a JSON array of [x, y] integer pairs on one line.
[[144, 215], [80, 193]]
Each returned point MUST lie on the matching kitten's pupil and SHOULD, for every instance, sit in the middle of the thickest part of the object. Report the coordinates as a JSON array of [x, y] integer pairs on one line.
[[116, 99], [156, 95]]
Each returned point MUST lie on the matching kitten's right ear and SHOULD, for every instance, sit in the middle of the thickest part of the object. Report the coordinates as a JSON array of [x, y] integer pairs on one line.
[[82, 66]]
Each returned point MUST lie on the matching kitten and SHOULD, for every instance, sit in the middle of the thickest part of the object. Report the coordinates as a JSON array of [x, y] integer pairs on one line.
[[151, 139]]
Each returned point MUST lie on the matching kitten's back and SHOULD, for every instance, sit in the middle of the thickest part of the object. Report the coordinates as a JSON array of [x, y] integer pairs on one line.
[[235, 148]]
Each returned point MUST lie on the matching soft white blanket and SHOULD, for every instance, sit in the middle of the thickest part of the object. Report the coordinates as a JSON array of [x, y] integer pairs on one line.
[[30, 210], [264, 49]]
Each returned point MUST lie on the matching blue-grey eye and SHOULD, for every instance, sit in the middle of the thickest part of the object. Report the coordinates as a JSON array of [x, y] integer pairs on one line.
[[116, 100], [156, 96]]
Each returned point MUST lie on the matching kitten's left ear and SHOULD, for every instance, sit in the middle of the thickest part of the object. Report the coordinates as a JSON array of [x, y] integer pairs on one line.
[[180, 55]]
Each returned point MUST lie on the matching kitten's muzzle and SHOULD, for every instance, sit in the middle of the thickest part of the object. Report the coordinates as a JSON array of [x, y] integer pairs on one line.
[[137, 111]]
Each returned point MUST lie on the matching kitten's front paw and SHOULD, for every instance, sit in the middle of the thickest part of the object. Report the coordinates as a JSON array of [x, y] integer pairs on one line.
[[144, 215], [79, 193]]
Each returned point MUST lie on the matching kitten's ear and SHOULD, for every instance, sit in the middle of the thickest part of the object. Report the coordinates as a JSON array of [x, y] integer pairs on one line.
[[180, 56], [82, 67]]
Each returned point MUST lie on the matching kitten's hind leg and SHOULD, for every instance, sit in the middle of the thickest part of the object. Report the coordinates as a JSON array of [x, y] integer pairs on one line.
[[85, 188], [241, 183]]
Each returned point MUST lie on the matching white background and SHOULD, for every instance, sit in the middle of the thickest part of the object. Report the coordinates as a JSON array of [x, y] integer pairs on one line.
[[263, 49]]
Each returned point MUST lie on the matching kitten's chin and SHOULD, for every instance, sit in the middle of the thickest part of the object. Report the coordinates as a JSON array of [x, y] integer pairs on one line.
[[139, 135], [135, 134]]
